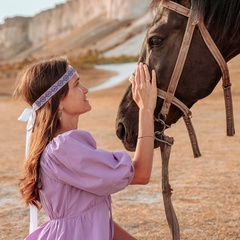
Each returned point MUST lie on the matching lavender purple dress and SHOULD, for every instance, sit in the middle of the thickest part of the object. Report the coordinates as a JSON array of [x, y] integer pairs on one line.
[[76, 182]]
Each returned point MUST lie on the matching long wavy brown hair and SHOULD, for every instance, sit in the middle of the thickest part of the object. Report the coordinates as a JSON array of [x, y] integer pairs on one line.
[[32, 82]]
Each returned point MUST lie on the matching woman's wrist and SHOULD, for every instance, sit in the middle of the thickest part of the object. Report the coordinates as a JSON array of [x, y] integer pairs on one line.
[[146, 113], [146, 136]]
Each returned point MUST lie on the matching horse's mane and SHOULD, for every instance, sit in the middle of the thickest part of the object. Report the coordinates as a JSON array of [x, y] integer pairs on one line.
[[225, 14]]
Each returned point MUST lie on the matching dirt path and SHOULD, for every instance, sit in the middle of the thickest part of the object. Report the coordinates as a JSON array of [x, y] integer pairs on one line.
[[206, 193]]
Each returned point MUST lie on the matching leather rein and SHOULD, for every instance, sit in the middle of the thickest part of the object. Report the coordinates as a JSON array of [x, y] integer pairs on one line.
[[194, 19]]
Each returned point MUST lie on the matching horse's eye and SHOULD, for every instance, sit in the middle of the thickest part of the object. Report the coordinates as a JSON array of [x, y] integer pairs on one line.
[[155, 42]]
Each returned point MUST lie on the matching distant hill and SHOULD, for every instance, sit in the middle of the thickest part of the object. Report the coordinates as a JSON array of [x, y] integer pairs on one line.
[[109, 27]]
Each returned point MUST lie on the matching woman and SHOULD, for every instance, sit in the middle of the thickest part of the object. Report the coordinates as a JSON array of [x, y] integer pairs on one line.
[[65, 172]]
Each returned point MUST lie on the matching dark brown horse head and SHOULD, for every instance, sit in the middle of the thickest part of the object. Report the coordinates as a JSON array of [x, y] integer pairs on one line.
[[200, 73]]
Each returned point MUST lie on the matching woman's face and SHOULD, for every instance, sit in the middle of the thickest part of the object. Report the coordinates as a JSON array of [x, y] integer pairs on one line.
[[75, 102]]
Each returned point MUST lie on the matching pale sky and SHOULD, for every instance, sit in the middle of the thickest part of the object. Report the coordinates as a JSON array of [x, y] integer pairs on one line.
[[26, 8]]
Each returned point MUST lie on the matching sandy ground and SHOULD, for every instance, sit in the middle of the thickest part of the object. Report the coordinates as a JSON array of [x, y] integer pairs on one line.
[[206, 194]]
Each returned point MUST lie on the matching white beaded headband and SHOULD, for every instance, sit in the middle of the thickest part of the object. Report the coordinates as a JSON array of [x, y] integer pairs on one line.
[[29, 115]]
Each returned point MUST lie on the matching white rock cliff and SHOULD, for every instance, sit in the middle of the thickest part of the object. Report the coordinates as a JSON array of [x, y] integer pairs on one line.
[[77, 25]]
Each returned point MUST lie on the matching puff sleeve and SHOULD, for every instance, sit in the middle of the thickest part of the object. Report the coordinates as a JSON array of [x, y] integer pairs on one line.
[[73, 158]]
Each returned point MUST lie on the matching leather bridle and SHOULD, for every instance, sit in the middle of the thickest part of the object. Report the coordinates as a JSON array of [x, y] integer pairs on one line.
[[194, 19]]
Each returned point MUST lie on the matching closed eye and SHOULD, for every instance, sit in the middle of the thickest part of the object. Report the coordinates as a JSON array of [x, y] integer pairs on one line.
[[77, 82]]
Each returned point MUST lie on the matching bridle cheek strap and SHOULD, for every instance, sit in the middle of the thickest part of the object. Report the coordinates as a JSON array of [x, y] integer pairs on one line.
[[178, 67]]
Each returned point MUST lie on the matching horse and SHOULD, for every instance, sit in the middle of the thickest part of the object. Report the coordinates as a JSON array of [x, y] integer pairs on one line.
[[188, 44]]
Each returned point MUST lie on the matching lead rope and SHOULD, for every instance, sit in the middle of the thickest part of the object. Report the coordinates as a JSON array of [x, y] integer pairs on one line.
[[167, 190]]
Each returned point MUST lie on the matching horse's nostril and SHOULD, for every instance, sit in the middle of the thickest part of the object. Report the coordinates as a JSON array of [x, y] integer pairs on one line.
[[120, 131]]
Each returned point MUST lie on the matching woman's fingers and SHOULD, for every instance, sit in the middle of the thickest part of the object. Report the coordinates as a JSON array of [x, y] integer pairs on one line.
[[137, 75], [142, 78], [154, 78], [146, 72], [143, 89], [132, 77], [142, 74]]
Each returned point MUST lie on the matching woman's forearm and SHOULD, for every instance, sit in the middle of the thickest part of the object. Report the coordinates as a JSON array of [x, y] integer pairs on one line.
[[144, 94], [143, 158]]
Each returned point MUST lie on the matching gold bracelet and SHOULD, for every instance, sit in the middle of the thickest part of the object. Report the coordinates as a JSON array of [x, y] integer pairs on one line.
[[145, 137]]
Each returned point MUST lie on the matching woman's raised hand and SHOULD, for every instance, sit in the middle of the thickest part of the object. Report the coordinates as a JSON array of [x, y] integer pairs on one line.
[[144, 90]]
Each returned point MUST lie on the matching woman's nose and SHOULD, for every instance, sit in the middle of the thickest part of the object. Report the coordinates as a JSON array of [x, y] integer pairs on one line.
[[84, 89]]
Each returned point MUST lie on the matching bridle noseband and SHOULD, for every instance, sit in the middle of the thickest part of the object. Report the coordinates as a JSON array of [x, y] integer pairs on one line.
[[194, 19]]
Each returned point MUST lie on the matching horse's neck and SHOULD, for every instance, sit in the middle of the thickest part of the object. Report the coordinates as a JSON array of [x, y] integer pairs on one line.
[[231, 50]]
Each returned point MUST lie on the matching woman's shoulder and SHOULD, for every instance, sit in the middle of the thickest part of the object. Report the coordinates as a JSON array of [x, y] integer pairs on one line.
[[73, 137], [75, 134]]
